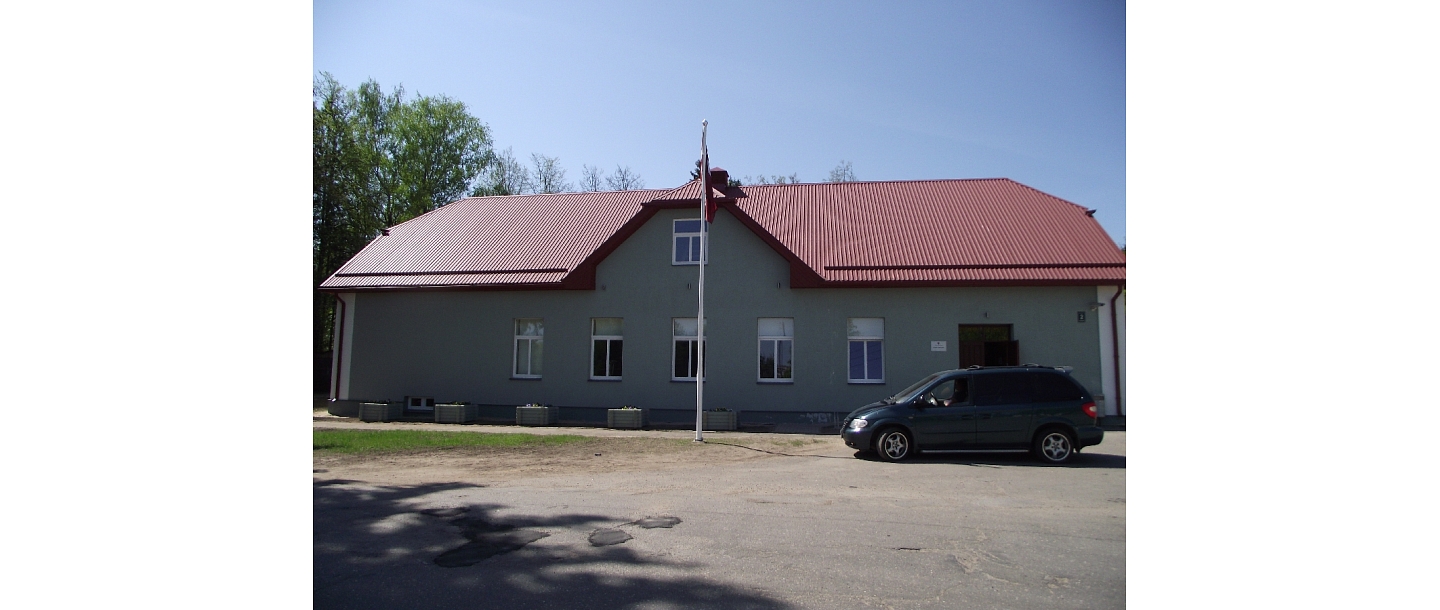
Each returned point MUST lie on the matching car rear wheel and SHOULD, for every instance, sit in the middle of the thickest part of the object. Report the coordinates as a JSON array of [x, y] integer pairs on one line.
[[1054, 446], [893, 445]]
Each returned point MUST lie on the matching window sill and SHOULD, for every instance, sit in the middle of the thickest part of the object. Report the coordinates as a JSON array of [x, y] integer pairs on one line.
[[606, 378], [525, 378], [682, 380], [775, 381], [865, 381]]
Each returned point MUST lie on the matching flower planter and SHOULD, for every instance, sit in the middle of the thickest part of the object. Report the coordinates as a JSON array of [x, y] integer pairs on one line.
[[381, 411], [456, 413], [537, 416], [719, 420], [626, 418]]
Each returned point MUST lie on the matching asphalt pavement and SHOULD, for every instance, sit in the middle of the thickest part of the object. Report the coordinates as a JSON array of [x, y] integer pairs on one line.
[[814, 531]]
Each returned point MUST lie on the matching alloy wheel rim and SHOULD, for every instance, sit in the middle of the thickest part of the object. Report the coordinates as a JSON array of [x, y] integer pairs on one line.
[[1056, 446], [895, 445]]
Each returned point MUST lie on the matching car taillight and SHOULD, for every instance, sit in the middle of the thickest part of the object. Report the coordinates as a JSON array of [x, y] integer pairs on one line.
[[1089, 409]]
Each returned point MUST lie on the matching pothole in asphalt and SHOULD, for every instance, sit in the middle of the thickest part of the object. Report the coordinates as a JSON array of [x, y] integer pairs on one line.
[[607, 537], [486, 540], [654, 522], [452, 511]]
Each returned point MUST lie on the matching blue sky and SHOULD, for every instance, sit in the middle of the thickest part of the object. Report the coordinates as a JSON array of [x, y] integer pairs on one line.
[[1033, 91]]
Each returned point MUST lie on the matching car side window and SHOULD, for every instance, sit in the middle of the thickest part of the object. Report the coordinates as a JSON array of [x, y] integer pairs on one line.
[[1054, 387], [1001, 388], [942, 393]]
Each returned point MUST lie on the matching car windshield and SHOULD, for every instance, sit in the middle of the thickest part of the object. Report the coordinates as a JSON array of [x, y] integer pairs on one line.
[[914, 387]]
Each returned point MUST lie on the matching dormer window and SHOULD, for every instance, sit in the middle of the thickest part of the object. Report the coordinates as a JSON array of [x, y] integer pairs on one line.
[[687, 242]]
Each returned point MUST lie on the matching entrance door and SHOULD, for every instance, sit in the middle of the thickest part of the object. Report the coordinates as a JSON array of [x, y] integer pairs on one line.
[[987, 345]]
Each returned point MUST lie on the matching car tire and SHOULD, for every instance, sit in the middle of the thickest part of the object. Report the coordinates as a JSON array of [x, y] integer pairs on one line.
[[1054, 446], [894, 444]]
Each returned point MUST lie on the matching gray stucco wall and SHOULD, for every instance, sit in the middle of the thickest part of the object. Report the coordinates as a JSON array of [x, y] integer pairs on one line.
[[458, 345]]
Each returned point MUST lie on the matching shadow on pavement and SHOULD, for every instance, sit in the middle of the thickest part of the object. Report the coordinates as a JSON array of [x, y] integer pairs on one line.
[[442, 546], [1024, 460]]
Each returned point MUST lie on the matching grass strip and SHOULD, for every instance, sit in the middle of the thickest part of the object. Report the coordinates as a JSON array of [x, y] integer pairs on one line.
[[367, 441]]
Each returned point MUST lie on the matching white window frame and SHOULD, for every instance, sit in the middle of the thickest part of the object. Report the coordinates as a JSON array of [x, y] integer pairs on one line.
[[532, 340], [607, 339], [675, 234], [864, 339], [760, 352], [674, 338]]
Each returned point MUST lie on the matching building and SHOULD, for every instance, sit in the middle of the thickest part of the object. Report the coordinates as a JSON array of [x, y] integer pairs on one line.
[[819, 298]]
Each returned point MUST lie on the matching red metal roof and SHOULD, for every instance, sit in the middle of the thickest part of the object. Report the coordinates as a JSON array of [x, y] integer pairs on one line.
[[492, 241], [921, 233], [985, 230]]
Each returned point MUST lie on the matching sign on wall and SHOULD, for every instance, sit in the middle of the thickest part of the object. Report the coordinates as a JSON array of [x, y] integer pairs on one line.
[[937, 346]]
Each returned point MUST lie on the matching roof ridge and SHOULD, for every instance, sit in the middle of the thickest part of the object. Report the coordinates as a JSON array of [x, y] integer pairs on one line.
[[878, 181]]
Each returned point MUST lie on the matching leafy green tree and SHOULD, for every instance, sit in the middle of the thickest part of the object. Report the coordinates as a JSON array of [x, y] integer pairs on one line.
[[379, 160]]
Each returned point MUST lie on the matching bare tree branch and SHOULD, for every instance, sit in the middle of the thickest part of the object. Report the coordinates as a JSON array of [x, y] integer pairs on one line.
[[625, 180]]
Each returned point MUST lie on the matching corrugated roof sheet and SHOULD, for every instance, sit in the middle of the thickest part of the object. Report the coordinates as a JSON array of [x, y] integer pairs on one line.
[[851, 233], [934, 230], [492, 241]]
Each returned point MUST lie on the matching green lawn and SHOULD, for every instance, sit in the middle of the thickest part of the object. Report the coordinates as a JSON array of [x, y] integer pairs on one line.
[[364, 441]]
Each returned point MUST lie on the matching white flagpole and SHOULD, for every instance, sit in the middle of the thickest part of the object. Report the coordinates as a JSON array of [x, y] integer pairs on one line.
[[700, 316]]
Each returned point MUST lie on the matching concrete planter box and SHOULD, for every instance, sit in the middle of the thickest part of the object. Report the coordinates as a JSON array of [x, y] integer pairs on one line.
[[456, 414], [719, 420], [537, 416], [381, 411], [626, 418]]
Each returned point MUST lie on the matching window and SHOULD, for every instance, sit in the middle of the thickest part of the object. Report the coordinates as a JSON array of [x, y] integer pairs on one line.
[[606, 343], [529, 347], [867, 349], [1002, 389], [777, 344], [1054, 387], [686, 354], [687, 242]]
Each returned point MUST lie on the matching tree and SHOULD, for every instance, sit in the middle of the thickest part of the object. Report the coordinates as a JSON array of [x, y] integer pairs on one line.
[[506, 176], [377, 161], [843, 172], [438, 150], [549, 176], [624, 180], [590, 178], [775, 179]]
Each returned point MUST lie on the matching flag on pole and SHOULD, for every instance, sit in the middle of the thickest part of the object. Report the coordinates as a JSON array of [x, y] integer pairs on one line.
[[707, 201]]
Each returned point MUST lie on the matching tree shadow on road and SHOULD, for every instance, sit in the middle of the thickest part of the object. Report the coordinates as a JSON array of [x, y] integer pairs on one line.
[[376, 546]]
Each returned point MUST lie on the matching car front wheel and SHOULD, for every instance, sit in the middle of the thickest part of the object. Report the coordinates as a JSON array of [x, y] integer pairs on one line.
[[1054, 447], [893, 445]]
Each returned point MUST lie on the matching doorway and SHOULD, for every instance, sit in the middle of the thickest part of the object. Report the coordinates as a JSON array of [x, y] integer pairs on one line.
[[987, 345]]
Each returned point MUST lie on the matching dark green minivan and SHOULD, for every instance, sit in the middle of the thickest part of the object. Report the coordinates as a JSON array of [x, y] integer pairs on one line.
[[1011, 408]]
